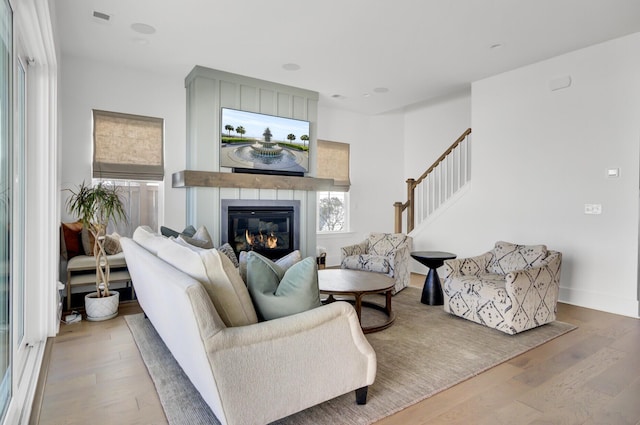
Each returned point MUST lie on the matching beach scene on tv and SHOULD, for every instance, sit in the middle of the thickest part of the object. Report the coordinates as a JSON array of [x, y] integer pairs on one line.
[[250, 140]]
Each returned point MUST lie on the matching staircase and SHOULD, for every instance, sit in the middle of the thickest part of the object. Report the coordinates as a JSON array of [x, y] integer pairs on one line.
[[448, 174]]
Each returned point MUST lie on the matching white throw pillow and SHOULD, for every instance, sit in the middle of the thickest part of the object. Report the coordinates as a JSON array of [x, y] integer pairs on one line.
[[219, 277], [149, 240]]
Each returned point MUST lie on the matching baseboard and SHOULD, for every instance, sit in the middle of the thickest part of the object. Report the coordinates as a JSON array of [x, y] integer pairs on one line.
[[600, 301]]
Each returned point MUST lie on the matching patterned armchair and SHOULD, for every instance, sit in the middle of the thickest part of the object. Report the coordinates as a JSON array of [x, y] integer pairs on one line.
[[386, 253], [511, 288]]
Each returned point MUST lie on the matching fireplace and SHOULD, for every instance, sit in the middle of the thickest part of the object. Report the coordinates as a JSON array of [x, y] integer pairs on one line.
[[270, 228]]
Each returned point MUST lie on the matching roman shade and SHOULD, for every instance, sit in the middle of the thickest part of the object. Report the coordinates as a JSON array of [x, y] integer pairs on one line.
[[127, 147], [333, 162]]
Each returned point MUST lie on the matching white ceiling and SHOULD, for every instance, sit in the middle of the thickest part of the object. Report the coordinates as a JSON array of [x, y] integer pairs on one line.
[[417, 49]]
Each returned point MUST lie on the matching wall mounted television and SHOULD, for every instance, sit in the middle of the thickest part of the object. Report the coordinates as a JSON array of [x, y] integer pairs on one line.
[[267, 144]]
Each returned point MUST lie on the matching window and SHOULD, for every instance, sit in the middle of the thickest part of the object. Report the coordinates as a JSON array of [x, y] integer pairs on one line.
[[141, 202], [333, 206], [333, 212], [7, 252], [128, 152]]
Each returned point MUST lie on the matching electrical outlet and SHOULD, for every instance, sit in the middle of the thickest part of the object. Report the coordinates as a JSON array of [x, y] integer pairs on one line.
[[593, 209]]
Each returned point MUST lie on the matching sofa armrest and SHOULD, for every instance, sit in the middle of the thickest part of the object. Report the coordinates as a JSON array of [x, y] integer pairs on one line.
[[471, 266], [356, 249], [267, 364]]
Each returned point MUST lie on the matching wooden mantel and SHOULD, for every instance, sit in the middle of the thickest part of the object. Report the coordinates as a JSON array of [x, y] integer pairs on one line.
[[193, 178]]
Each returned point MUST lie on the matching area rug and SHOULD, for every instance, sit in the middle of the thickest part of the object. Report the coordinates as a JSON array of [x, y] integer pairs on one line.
[[424, 352]]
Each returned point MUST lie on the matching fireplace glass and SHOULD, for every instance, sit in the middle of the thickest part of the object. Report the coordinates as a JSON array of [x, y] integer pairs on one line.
[[267, 230]]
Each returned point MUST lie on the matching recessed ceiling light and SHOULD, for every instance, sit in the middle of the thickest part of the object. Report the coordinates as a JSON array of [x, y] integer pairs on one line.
[[366, 94], [495, 46], [143, 28], [381, 90], [291, 66]]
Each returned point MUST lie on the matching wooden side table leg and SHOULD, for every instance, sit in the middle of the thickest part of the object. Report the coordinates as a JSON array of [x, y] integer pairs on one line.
[[358, 307], [68, 290]]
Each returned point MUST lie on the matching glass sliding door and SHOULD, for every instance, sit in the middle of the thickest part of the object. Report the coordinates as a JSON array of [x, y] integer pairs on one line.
[[19, 218], [6, 174]]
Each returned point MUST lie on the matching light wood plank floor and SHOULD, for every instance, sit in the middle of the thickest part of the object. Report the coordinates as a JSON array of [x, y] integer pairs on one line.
[[588, 376]]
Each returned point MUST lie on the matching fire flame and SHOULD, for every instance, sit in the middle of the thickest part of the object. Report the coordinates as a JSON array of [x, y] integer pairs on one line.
[[269, 241], [272, 241]]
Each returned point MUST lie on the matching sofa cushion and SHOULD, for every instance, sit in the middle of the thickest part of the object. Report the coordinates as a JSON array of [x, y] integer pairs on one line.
[[228, 251], [85, 262], [285, 262], [370, 263], [149, 240], [278, 293], [169, 232], [88, 241], [508, 257], [218, 276], [201, 239], [112, 244], [71, 240]]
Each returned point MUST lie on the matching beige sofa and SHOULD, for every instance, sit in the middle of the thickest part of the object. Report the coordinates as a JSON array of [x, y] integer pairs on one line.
[[511, 288], [247, 372]]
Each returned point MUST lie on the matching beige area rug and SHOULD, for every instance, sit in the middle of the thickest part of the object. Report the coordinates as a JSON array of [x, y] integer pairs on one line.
[[424, 352]]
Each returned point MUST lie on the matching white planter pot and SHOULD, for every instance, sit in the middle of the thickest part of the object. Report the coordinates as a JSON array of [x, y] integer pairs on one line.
[[102, 308]]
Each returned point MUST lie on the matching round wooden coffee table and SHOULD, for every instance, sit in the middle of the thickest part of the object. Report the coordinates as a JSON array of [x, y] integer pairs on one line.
[[358, 283]]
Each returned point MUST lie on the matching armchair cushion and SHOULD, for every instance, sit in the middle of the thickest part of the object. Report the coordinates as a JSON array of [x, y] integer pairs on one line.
[[509, 257], [368, 262], [385, 243], [278, 293]]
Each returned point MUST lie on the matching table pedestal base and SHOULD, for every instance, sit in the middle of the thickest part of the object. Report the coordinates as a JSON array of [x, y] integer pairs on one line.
[[432, 290]]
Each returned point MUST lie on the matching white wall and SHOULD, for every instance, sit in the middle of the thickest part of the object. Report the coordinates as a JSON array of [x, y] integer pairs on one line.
[[430, 128], [540, 155], [376, 167], [87, 85]]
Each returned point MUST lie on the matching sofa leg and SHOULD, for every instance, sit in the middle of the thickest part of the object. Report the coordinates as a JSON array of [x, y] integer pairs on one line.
[[361, 395]]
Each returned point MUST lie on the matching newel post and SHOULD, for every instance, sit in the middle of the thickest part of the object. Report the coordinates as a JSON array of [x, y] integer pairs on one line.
[[410, 203], [398, 223]]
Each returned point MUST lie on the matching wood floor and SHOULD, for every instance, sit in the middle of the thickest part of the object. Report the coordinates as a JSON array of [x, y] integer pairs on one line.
[[588, 376]]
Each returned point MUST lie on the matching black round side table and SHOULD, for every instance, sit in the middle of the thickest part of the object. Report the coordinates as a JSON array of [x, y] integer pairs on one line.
[[432, 290]]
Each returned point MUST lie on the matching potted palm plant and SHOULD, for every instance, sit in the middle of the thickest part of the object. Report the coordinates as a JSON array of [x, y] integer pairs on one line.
[[95, 206]]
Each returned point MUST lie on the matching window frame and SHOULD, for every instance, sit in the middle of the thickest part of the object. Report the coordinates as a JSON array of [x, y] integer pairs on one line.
[[347, 226]]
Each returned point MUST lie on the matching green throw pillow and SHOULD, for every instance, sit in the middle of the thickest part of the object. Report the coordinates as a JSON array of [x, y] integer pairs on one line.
[[278, 293]]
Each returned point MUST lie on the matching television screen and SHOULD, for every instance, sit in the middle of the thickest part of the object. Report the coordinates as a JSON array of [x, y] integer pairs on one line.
[[252, 141]]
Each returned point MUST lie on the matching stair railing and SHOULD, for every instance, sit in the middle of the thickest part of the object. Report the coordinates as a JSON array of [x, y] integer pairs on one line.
[[443, 178]]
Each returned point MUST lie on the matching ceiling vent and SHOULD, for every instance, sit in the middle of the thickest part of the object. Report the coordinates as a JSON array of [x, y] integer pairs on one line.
[[101, 16]]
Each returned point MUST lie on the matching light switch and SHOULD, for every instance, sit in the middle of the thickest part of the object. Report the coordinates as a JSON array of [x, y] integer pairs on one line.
[[593, 208]]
